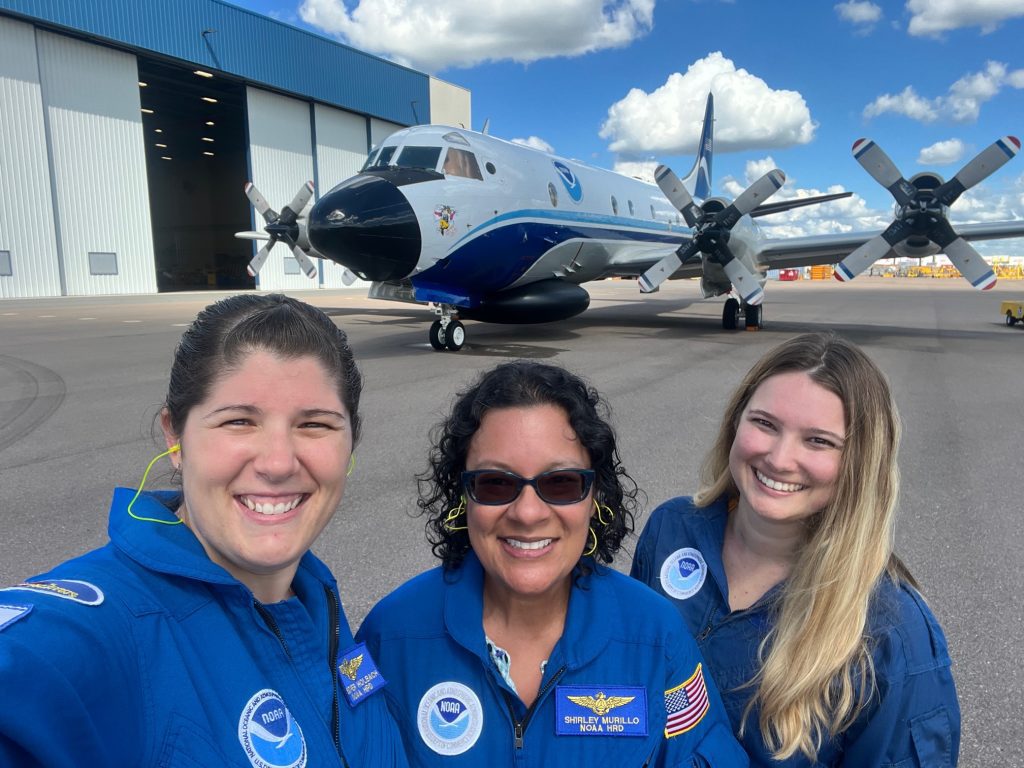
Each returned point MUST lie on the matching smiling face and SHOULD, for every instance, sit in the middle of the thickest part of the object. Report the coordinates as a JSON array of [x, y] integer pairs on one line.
[[528, 548], [786, 454], [263, 461]]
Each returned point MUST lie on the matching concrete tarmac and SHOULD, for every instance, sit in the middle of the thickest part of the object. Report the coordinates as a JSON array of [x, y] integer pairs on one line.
[[82, 379]]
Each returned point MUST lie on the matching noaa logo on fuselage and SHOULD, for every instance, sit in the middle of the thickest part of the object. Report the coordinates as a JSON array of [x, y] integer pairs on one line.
[[450, 718], [683, 573], [269, 735], [572, 184]]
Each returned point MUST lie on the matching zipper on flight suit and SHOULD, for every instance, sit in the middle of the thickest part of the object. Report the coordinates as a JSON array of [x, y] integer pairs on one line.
[[519, 727], [332, 659], [271, 623]]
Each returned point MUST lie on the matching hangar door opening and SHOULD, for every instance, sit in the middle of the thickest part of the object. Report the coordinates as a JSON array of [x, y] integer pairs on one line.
[[194, 128]]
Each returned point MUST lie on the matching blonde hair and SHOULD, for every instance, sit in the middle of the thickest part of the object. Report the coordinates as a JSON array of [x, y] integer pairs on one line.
[[816, 672]]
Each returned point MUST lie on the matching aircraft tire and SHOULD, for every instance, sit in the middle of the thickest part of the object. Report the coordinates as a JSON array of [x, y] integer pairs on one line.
[[456, 336], [752, 315], [437, 335], [730, 314], [1010, 319]]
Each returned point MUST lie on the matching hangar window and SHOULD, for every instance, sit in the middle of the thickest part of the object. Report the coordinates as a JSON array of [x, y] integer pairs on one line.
[[459, 162], [553, 194], [384, 158], [102, 263], [419, 157], [615, 206], [5, 264], [291, 266]]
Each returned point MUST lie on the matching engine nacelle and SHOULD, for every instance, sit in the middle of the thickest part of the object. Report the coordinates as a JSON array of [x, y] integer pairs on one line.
[[543, 302]]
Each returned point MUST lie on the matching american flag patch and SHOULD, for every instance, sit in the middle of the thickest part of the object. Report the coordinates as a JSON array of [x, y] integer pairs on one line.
[[686, 704]]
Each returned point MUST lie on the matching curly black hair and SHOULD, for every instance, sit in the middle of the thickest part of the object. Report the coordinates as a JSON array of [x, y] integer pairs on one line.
[[521, 384]]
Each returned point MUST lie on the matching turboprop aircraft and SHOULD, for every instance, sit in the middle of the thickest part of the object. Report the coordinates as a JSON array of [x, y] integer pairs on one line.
[[484, 229]]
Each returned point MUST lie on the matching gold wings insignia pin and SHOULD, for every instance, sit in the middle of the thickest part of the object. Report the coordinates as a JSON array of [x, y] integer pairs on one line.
[[351, 667], [601, 704]]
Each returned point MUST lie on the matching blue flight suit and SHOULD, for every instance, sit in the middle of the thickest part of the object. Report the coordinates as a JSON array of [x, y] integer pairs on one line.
[[146, 653], [602, 700], [913, 718]]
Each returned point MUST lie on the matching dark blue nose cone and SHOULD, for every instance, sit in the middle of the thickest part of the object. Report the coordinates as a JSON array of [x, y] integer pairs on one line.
[[367, 225]]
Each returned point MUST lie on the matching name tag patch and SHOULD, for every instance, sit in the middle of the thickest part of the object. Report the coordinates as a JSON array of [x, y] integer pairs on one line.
[[68, 589], [600, 710], [11, 613], [358, 674]]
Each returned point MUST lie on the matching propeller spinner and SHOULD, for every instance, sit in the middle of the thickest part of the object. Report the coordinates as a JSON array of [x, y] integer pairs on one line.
[[922, 211], [711, 233]]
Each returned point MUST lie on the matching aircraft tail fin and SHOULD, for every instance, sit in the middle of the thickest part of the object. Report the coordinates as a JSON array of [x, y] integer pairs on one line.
[[699, 178]]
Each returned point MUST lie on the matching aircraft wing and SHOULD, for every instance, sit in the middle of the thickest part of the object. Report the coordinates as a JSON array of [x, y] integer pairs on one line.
[[787, 252], [633, 261]]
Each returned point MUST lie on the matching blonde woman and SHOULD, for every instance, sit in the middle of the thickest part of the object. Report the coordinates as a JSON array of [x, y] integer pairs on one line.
[[783, 568]]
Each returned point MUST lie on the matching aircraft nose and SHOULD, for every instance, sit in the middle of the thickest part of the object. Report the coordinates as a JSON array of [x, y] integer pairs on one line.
[[367, 225]]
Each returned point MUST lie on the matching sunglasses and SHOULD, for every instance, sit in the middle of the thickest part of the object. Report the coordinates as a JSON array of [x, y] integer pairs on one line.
[[557, 486]]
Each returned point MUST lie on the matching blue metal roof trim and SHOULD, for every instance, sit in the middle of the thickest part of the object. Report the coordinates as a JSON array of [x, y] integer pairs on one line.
[[246, 45]]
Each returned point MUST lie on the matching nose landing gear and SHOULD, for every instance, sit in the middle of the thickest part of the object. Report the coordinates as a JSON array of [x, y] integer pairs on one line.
[[447, 332]]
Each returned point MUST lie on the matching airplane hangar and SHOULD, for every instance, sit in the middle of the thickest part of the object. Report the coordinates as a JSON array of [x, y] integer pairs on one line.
[[128, 129]]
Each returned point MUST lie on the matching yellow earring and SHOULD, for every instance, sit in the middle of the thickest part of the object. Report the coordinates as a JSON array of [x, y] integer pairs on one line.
[[453, 514], [351, 464], [176, 448], [603, 508], [593, 547]]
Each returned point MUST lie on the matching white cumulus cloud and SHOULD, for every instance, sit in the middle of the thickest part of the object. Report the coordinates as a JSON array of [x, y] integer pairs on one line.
[[535, 142], [859, 12], [749, 114], [432, 36], [933, 17], [637, 169], [962, 103], [942, 153]]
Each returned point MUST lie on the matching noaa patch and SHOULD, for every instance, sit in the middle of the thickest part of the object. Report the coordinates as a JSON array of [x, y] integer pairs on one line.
[[358, 674], [11, 613], [569, 180], [683, 573], [595, 710], [269, 735], [68, 589], [450, 718]]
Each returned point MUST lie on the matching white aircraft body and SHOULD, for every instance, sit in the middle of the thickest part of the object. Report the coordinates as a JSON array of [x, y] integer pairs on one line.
[[484, 229]]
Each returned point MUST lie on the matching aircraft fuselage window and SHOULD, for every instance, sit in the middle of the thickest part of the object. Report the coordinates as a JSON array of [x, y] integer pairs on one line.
[[553, 194], [631, 210], [384, 158], [459, 162], [419, 157], [490, 168], [615, 206], [652, 213]]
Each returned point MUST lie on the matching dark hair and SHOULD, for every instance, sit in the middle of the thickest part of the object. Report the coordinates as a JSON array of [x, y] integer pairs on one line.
[[521, 384], [225, 332]]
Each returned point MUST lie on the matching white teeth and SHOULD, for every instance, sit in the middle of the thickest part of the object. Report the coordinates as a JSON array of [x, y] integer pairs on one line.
[[528, 544], [775, 485], [271, 509]]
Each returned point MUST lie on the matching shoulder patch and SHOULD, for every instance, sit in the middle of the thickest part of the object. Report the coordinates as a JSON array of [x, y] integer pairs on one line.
[[686, 704], [11, 613], [358, 674], [68, 589]]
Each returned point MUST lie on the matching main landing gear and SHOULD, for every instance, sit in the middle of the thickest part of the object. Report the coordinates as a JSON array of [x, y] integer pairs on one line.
[[752, 315], [447, 332]]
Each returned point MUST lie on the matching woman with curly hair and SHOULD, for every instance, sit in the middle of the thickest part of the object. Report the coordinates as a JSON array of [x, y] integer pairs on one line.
[[523, 647], [783, 567]]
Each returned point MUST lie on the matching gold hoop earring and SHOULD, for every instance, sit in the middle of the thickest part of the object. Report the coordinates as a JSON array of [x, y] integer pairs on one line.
[[454, 514], [593, 548], [351, 464], [603, 508]]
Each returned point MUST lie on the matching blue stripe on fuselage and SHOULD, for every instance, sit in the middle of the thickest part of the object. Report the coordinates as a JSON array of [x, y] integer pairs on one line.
[[496, 254]]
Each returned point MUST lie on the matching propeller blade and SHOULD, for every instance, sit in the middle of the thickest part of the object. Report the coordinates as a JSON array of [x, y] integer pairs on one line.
[[260, 203], [975, 269], [751, 197], [863, 257], [652, 279], [305, 264], [883, 170], [743, 280], [677, 194], [257, 260], [987, 162], [295, 207], [347, 277]]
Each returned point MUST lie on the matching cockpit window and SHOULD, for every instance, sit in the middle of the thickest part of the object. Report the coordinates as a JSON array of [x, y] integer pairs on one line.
[[459, 162], [370, 158], [383, 159], [419, 157]]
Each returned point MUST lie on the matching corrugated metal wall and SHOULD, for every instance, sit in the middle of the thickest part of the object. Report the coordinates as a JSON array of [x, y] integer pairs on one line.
[[281, 149], [381, 129], [340, 153], [223, 37], [91, 97], [26, 205]]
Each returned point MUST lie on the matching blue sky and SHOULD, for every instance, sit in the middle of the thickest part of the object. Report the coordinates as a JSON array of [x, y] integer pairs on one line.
[[621, 84]]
